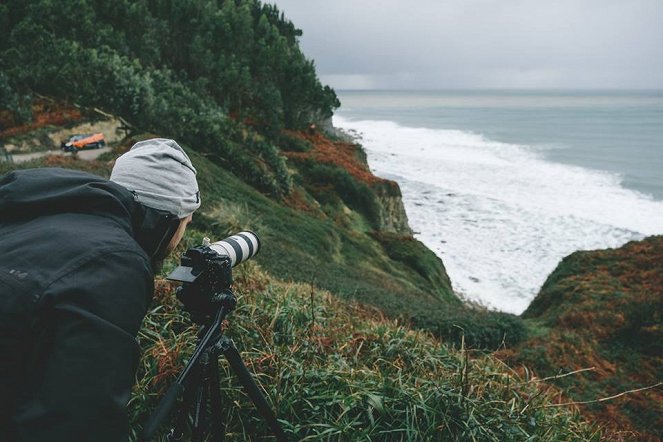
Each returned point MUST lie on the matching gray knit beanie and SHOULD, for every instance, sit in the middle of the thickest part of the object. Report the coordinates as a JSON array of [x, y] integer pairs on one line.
[[160, 174]]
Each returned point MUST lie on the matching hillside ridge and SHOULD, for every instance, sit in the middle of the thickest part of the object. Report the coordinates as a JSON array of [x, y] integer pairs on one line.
[[601, 313]]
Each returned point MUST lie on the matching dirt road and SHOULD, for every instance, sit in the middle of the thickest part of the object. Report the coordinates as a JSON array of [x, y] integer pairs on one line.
[[83, 154]]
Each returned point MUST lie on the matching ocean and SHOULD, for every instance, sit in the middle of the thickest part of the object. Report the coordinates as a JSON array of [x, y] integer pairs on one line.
[[502, 185]]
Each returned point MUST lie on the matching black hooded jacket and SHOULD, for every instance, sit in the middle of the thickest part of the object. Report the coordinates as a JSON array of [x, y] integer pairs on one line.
[[75, 285]]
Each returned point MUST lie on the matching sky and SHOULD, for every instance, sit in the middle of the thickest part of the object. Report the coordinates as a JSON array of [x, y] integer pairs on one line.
[[482, 44]]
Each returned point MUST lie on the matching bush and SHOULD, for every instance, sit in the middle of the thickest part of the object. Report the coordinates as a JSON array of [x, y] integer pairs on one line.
[[271, 156], [479, 329], [326, 181], [413, 253], [290, 143]]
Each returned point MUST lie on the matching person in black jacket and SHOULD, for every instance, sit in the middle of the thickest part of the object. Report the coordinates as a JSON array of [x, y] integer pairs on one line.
[[77, 260]]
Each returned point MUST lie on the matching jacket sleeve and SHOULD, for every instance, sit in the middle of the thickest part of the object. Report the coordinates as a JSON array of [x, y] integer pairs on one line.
[[82, 370]]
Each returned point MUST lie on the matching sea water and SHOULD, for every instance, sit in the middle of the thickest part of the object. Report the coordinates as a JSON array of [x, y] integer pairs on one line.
[[503, 185]]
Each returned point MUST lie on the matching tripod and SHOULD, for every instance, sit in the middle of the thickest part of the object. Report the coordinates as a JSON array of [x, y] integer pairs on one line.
[[200, 383]]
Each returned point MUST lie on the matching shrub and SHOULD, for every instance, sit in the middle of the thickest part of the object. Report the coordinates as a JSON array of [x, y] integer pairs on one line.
[[290, 143], [479, 329], [355, 194]]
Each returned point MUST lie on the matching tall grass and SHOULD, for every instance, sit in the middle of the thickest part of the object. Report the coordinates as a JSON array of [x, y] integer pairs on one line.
[[339, 371]]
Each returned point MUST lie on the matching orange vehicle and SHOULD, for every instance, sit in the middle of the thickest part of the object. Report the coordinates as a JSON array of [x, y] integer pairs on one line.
[[83, 141]]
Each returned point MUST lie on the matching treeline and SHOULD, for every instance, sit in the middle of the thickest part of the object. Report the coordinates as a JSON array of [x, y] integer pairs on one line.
[[224, 76]]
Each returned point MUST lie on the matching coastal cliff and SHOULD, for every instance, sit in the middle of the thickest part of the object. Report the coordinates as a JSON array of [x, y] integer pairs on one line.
[[349, 321], [393, 218], [341, 167]]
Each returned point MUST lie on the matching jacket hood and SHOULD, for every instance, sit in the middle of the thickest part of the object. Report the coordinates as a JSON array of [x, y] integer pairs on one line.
[[32, 193]]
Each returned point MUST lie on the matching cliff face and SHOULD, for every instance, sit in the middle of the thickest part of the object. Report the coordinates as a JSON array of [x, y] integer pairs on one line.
[[392, 218], [335, 172], [603, 311], [341, 167]]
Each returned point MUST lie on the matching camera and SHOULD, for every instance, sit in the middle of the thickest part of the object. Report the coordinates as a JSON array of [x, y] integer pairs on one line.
[[206, 292], [206, 273]]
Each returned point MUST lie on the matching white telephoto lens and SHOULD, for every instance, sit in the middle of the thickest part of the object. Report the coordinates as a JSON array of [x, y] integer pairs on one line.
[[239, 247]]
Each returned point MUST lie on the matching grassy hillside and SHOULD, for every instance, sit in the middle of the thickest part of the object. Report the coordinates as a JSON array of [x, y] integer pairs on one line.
[[603, 311], [314, 236], [336, 370], [323, 245], [342, 372]]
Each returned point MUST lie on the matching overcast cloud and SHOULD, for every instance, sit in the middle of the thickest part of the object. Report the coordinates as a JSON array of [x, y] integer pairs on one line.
[[448, 44]]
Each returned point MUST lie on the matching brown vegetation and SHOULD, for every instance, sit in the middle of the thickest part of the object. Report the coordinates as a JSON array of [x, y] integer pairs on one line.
[[44, 113], [604, 310], [337, 153]]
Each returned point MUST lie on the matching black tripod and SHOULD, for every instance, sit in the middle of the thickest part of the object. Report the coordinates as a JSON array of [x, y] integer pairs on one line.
[[200, 383]]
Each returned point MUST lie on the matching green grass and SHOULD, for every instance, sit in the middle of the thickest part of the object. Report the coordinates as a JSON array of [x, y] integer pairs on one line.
[[340, 371]]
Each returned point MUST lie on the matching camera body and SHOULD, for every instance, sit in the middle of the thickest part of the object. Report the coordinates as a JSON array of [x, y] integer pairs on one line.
[[206, 274]]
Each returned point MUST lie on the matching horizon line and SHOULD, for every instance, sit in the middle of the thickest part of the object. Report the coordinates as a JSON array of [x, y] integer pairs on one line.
[[495, 89]]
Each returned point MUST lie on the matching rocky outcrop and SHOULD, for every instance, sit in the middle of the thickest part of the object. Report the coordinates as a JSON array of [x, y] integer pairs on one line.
[[378, 199], [392, 218]]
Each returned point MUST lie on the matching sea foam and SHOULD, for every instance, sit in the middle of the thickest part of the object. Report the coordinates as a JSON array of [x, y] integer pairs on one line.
[[499, 215]]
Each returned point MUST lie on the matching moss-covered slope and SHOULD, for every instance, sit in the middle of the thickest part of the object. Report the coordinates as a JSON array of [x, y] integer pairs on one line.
[[603, 311]]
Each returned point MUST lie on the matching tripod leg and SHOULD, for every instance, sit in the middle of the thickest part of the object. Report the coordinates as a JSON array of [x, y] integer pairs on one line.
[[182, 415], [230, 352], [186, 382], [199, 425], [217, 424]]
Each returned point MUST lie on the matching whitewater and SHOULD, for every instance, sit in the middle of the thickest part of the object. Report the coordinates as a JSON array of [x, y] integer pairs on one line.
[[500, 215]]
